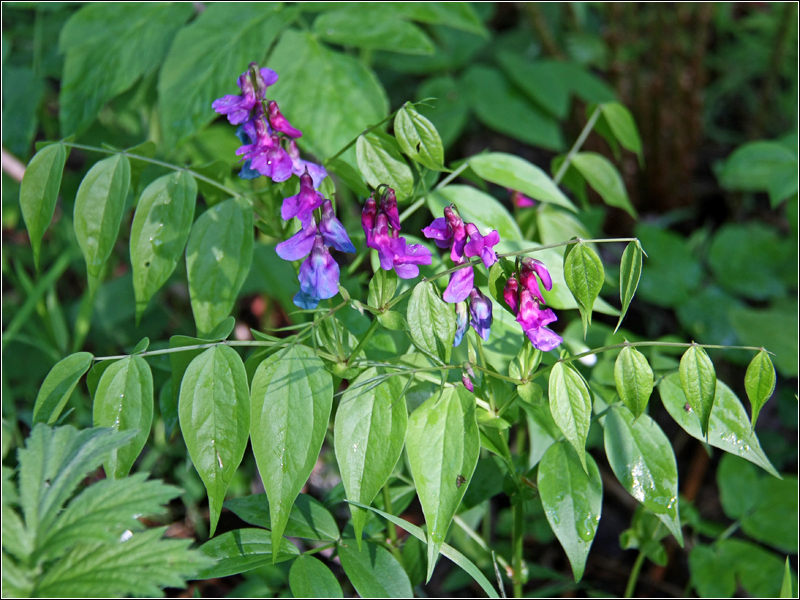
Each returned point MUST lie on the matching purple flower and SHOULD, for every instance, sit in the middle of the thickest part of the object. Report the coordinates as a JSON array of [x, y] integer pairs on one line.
[[303, 204], [265, 153], [459, 234], [465, 379], [480, 310], [238, 107], [462, 322], [511, 294], [332, 230], [461, 282], [319, 276], [300, 244], [479, 245], [528, 268], [439, 232], [520, 200], [300, 166], [279, 123], [533, 321]]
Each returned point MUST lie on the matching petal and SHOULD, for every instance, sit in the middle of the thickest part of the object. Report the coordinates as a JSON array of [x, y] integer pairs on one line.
[[303, 300], [299, 245], [406, 271], [461, 282], [543, 338], [333, 231]]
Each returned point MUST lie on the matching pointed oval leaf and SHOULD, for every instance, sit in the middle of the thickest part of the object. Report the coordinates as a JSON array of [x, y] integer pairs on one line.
[[759, 382], [214, 413], [58, 387], [583, 273], [373, 571], [218, 257], [431, 321], [786, 584], [39, 192], [518, 174], [159, 233], [634, 379], [124, 401], [476, 207], [382, 287], [292, 396], [699, 383], [309, 577], [443, 445], [369, 434], [622, 125], [308, 519], [367, 26], [243, 550], [571, 406], [572, 501], [604, 178], [630, 270], [728, 428], [419, 138], [641, 456], [380, 162], [98, 210]]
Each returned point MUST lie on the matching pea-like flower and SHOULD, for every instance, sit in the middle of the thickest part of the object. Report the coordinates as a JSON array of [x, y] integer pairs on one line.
[[238, 108], [319, 276], [480, 312], [533, 319]]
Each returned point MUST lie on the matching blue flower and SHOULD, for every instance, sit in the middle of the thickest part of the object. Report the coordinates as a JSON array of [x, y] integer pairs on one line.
[[319, 276]]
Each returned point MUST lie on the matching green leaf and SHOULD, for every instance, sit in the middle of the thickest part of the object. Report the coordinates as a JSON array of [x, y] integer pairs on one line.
[[59, 385], [98, 210], [443, 445], [373, 571], [699, 383], [630, 270], [369, 26], [243, 550], [620, 121], [728, 429], [545, 81], [292, 396], [773, 520], [124, 401], [786, 584], [449, 111], [206, 58], [571, 406], [759, 382], [739, 485], [347, 98], [308, 519], [382, 287], [159, 232], [419, 138], [310, 578], [518, 174], [572, 501], [23, 91], [108, 47], [432, 322], [641, 456], [604, 178], [369, 434], [447, 550], [214, 411], [767, 328], [761, 166], [39, 191], [476, 207], [459, 15], [674, 273], [583, 274], [710, 577], [218, 258], [634, 379], [380, 162]]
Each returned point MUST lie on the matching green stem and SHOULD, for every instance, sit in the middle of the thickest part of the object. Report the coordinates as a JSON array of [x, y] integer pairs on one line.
[[516, 545], [577, 145], [320, 548], [355, 139], [84, 320], [478, 539], [637, 567], [412, 209], [373, 326]]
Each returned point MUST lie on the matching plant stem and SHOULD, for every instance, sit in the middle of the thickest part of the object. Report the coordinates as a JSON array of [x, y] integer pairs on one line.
[[516, 545], [355, 139], [637, 567], [562, 170], [373, 326]]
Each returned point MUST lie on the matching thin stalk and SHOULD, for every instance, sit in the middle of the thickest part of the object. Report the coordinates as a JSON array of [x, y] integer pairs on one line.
[[587, 129], [479, 540], [320, 548], [637, 567], [373, 326], [387, 506], [355, 139], [516, 545]]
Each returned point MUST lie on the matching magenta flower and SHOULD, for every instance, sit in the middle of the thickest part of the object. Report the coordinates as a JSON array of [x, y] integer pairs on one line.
[[520, 200], [529, 269], [238, 108], [511, 294], [479, 245], [279, 123], [303, 204], [460, 284], [332, 230], [531, 317]]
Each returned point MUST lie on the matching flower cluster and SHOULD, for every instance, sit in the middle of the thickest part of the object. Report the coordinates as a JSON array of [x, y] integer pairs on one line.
[[264, 130], [524, 298], [381, 224], [319, 273]]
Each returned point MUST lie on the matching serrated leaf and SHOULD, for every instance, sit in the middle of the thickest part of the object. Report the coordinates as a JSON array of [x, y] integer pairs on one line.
[[620, 121], [214, 412], [292, 396], [641, 456], [443, 445], [431, 321], [308, 519], [604, 178], [98, 210], [728, 428], [159, 233], [373, 571], [634, 379], [476, 207], [39, 191], [59, 385], [583, 274], [518, 174], [369, 434], [243, 550], [630, 270], [124, 402], [571, 406], [108, 47], [572, 501], [699, 383], [310, 578], [380, 162], [759, 382], [218, 257], [206, 58], [419, 138], [369, 26]]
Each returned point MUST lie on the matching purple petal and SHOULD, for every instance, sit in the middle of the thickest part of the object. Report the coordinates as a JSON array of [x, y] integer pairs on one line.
[[319, 273], [461, 282], [462, 322], [439, 232], [299, 245], [281, 123], [333, 231], [303, 300], [269, 76], [406, 271], [543, 338], [480, 309]]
